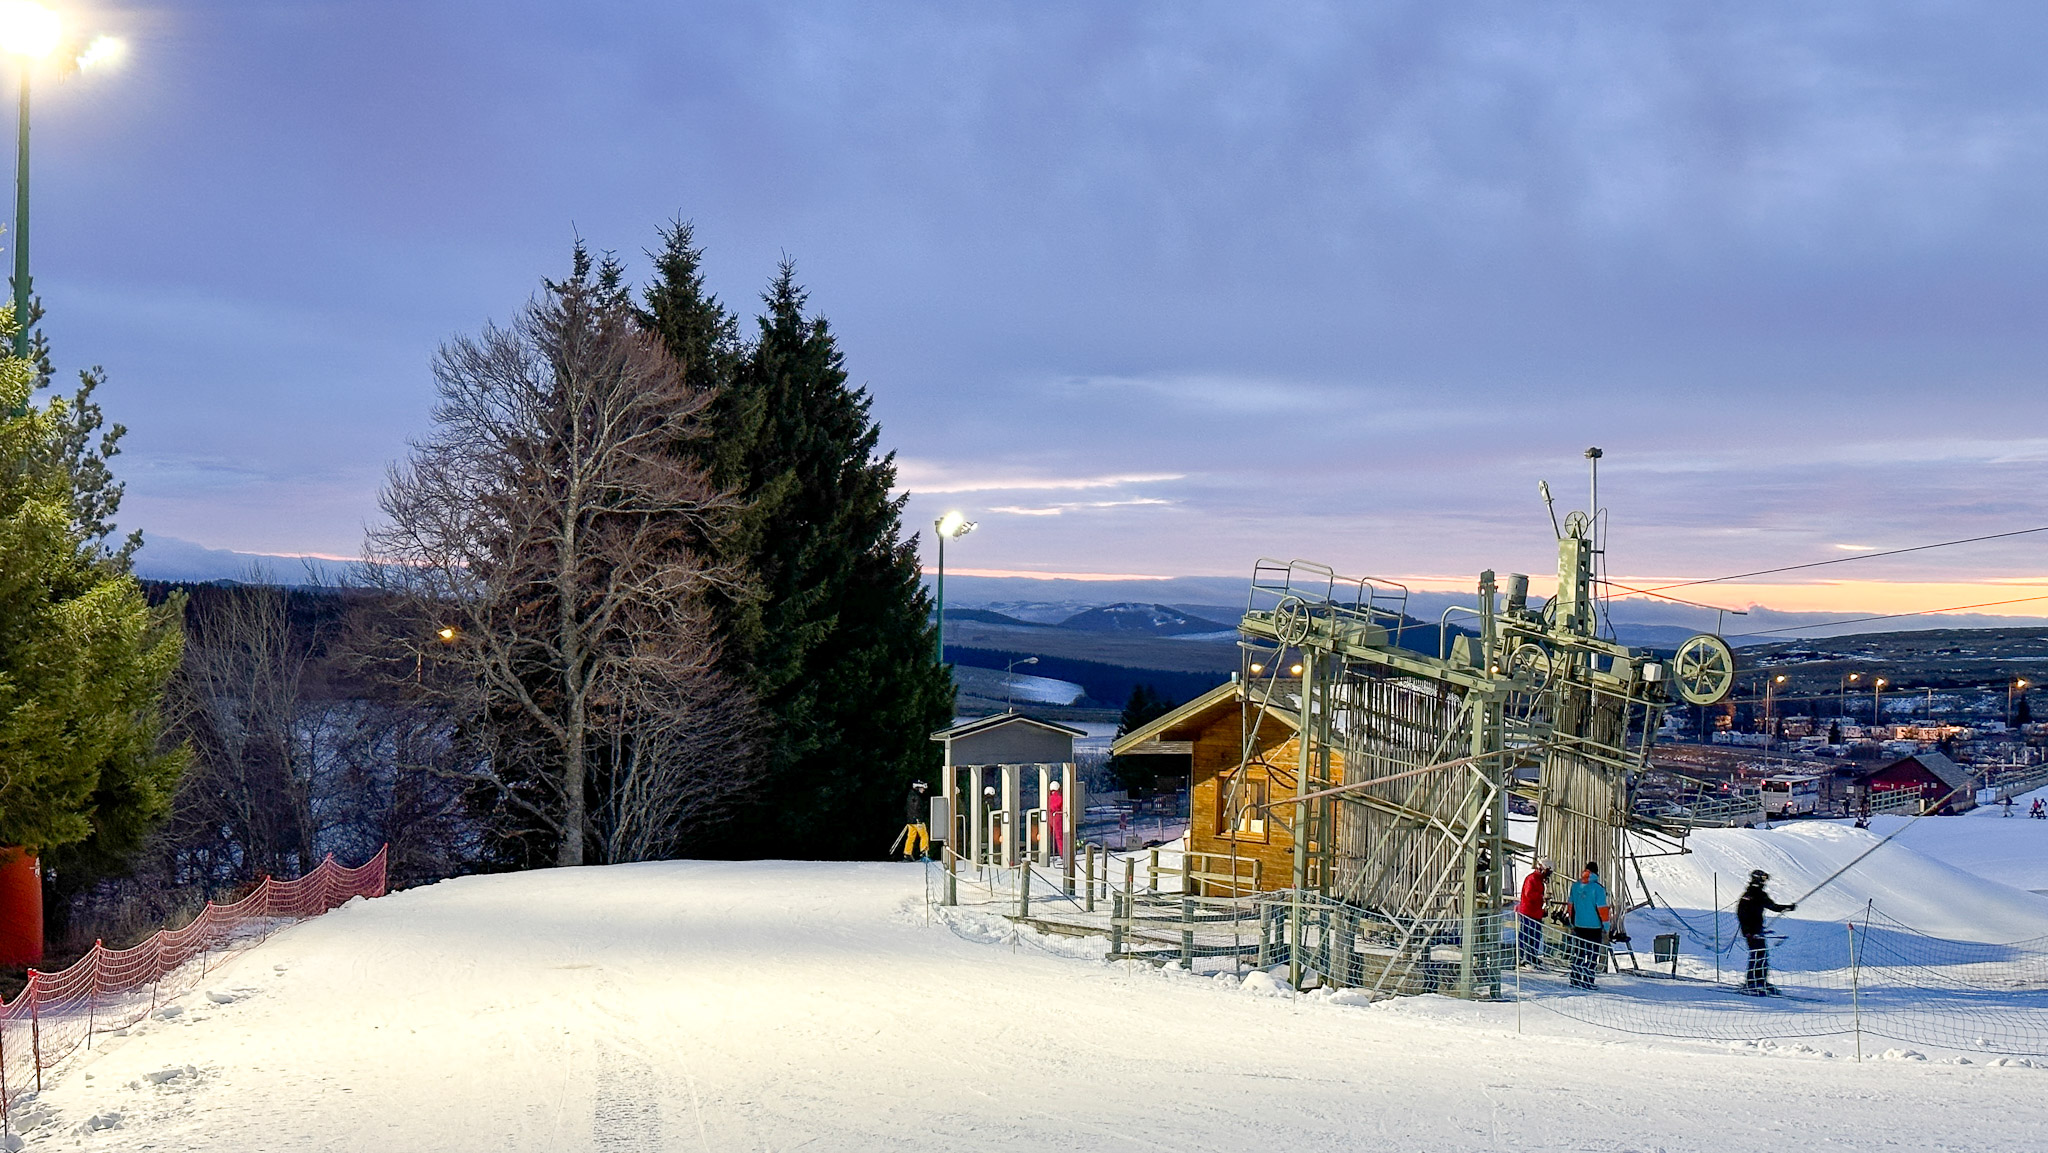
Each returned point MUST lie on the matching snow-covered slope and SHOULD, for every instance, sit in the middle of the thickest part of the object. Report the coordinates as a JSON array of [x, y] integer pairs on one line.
[[1907, 885], [811, 1006], [1983, 841]]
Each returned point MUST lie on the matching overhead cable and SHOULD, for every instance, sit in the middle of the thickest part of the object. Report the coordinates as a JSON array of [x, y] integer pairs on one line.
[[1846, 559]]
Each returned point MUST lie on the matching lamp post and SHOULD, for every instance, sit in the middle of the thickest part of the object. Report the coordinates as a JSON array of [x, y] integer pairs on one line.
[[1009, 688], [2019, 683], [30, 32], [1876, 705], [1851, 679], [950, 525], [1771, 715]]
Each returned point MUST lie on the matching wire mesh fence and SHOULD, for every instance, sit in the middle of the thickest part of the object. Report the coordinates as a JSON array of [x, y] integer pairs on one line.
[[110, 989], [1868, 980]]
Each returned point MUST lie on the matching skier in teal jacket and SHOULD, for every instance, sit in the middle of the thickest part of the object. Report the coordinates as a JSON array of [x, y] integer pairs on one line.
[[1589, 911]]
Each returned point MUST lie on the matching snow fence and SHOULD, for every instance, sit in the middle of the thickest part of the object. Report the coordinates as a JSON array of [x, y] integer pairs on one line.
[[110, 989]]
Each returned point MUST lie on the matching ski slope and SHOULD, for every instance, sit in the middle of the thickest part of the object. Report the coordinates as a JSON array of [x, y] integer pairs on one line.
[[1904, 883], [716, 1006]]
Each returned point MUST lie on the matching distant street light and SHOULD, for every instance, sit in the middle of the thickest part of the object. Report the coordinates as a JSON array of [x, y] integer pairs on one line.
[[1009, 686], [950, 525], [30, 32], [1876, 706], [1851, 679], [1770, 715], [2020, 684]]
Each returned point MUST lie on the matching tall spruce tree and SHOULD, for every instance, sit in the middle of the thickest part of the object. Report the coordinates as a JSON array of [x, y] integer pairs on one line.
[[835, 636], [83, 657]]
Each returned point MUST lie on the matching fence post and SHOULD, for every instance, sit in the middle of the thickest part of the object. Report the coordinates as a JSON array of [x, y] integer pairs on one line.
[[35, 1024], [1088, 902], [1717, 928], [1116, 925], [1856, 990], [1187, 933], [92, 998], [1152, 871], [1024, 886]]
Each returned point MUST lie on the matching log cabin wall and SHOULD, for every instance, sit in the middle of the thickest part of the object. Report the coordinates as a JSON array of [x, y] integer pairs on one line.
[[1218, 750]]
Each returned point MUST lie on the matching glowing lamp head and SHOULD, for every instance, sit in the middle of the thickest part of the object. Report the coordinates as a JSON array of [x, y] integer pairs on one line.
[[1854, 677], [1258, 668], [2020, 684], [448, 633], [28, 29], [1778, 680], [1294, 670], [953, 525], [103, 52], [1880, 682]]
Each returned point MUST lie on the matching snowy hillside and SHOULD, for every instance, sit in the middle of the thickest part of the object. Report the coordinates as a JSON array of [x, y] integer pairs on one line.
[[1907, 885], [785, 1006]]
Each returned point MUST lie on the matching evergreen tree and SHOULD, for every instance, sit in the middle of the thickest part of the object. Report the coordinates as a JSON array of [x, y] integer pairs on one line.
[[1139, 775], [83, 657], [835, 635]]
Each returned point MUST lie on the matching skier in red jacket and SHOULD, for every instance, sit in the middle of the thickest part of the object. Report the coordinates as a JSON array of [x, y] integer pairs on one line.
[[1529, 934]]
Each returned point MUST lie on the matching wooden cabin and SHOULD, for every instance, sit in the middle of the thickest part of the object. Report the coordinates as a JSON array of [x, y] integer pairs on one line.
[[1239, 841], [1942, 785]]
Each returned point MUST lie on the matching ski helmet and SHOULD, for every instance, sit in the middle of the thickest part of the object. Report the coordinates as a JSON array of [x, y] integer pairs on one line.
[[1758, 876]]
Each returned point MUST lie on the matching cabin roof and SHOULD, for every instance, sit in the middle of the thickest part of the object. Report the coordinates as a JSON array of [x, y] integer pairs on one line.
[[1188, 721]]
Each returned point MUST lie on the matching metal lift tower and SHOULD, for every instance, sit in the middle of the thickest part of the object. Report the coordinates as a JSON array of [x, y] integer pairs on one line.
[[1406, 759]]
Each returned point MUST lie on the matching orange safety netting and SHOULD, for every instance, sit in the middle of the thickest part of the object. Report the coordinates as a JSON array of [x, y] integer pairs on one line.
[[111, 989]]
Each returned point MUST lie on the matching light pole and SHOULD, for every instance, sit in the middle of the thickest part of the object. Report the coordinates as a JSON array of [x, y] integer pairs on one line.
[[950, 525], [1009, 688], [1771, 715], [30, 32], [2019, 683], [1876, 707]]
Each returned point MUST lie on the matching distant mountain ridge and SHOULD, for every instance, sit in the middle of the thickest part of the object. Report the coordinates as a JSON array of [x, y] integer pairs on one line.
[[1150, 619]]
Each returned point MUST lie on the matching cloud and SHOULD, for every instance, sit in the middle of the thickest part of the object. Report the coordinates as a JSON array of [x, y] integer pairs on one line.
[[1058, 509], [930, 477]]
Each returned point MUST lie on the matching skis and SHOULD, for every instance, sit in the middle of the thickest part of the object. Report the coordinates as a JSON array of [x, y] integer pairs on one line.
[[1772, 992]]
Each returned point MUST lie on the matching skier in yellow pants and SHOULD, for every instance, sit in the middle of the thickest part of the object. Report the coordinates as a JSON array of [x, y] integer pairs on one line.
[[916, 838]]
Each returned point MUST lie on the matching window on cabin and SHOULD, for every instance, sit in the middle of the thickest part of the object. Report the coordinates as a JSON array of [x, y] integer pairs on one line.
[[1241, 804]]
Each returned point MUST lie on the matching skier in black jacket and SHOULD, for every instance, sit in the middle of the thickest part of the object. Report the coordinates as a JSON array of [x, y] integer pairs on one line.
[[1749, 918], [917, 837]]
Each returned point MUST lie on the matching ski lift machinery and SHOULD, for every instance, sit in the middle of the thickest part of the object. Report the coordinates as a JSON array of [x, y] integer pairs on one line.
[[1405, 760]]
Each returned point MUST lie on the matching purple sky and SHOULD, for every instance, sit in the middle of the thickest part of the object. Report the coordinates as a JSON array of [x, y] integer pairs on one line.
[[1144, 288]]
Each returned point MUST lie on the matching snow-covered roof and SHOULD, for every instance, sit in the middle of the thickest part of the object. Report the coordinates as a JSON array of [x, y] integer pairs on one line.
[[1197, 714], [985, 724]]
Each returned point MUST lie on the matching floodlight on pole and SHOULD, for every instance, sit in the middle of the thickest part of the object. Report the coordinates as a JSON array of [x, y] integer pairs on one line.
[[1009, 686], [29, 32], [2018, 683], [952, 524]]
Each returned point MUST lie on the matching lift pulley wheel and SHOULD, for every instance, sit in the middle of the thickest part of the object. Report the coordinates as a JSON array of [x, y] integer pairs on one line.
[[1532, 663], [1704, 670], [1291, 620]]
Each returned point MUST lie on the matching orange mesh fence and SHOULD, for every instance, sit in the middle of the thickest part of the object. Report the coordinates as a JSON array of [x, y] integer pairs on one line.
[[111, 989]]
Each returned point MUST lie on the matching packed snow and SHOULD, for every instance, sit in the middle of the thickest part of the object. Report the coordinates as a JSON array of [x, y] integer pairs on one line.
[[803, 1005]]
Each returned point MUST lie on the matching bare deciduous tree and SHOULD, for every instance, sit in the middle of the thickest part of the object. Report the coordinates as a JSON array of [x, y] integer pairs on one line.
[[551, 527]]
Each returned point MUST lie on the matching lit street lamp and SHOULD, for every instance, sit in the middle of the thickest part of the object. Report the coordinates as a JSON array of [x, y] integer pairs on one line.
[[1770, 714], [1851, 679], [30, 32], [950, 525], [1876, 708], [1009, 686], [2020, 684]]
